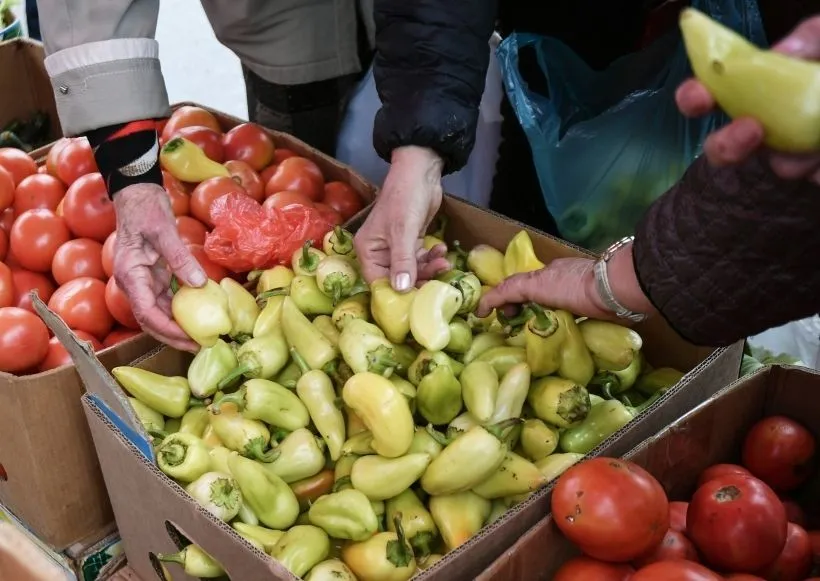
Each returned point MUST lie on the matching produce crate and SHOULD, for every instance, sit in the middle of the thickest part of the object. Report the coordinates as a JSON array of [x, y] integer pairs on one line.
[[150, 528], [711, 433]]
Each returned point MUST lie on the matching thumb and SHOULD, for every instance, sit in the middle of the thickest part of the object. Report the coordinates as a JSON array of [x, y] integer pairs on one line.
[[403, 265], [804, 41], [517, 289], [179, 258]]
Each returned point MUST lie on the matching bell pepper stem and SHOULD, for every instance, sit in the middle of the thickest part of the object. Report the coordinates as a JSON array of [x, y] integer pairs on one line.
[[238, 372], [336, 288], [254, 275], [158, 434], [382, 361], [344, 241], [441, 226], [262, 298], [608, 383], [178, 558], [237, 398], [243, 338], [174, 453], [278, 434], [174, 284], [359, 287], [399, 552], [421, 543], [196, 403], [456, 246], [498, 430], [341, 483], [309, 261], [299, 360], [645, 405], [437, 436], [511, 323], [543, 323], [256, 449]]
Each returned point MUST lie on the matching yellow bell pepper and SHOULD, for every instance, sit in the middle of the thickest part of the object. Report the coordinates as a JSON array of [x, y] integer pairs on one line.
[[203, 313], [391, 309], [520, 256], [384, 410], [186, 161]]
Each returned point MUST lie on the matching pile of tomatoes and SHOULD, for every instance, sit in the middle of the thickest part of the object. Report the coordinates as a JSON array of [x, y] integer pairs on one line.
[[738, 525]]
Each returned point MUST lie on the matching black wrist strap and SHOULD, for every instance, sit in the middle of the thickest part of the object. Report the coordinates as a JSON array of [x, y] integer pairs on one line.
[[127, 154]]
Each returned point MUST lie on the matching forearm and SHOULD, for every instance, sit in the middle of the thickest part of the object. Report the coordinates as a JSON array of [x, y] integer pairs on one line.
[[430, 67]]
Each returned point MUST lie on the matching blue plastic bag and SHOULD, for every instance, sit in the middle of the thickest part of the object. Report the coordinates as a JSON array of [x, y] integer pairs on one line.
[[607, 143]]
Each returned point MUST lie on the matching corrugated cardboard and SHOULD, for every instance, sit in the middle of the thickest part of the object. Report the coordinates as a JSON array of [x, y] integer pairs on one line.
[[24, 84], [131, 475], [711, 433]]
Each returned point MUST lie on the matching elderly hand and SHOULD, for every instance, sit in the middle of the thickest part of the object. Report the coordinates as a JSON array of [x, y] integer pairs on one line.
[[735, 142], [389, 244], [147, 252]]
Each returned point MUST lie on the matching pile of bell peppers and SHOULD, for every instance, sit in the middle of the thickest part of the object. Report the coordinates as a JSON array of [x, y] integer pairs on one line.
[[352, 432]]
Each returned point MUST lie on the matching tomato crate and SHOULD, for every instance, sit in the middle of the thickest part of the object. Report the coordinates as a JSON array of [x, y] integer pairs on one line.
[[711, 433]]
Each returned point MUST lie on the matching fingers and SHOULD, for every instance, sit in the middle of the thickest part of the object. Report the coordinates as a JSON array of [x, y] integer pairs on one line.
[[804, 41], [170, 246], [520, 288], [693, 99], [792, 167], [734, 143], [403, 266]]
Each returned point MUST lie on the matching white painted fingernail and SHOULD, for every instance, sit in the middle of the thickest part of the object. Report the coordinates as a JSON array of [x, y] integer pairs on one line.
[[401, 282], [198, 278]]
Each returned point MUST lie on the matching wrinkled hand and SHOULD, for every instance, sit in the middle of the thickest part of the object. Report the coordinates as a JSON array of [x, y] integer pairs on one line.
[[148, 250], [735, 142], [389, 244]]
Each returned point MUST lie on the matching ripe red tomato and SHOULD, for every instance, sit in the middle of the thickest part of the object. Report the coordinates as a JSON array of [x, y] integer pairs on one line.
[[38, 191], [794, 513], [75, 161], [207, 139], [250, 143], [26, 281], [297, 174], [35, 237], [675, 571], [780, 452], [612, 509], [191, 230], [744, 577], [54, 154], [281, 154], [119, 306], [737, 522], [795, 560], [677, 516], [118, 335], [4, 244], [189, 116], [343, 198], [718, 470], [6, 189], [6, 287], [108, 254], [7, 220], [285, 199], [57, 355], [18, 163], [23, 339], [214, 271], [245, 176], [814, 541], [586, 568], [81, 304], [88, 210], [178, 193], [266, 174], [207, 192], [674, 546], [331, 215], [77, 258]]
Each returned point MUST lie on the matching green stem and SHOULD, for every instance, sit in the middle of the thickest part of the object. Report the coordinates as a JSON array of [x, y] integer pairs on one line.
[[196, 403], [174, 453], [543, 323], [299, 360], [178, 558], [238, 372], [437, 436], [174, 284], [421, 543], [262, 298], [456, 246], [237, 398], [399, 552], [441, 221], [359, 287], [158, 434], [499, 428], [254, 275], [255, 449], [344, 241], [381, 360], [309, 261], [652, 399], [341, 483]]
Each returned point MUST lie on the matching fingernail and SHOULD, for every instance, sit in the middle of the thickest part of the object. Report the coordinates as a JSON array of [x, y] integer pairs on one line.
[[401, 282], [198, 278], [792, 44]]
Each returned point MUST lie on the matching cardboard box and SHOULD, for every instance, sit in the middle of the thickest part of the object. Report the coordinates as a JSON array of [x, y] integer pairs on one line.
[[25, 88], [130, 473], [711, 433]]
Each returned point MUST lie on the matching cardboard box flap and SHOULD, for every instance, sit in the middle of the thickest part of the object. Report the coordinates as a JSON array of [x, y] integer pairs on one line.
[[180, 511], [97, 380]]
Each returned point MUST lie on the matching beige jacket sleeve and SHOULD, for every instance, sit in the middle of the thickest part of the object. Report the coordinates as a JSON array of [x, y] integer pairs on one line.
[[103, 61]]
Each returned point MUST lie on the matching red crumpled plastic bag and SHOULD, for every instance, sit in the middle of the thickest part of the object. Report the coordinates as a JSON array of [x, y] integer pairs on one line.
[[248, 237]]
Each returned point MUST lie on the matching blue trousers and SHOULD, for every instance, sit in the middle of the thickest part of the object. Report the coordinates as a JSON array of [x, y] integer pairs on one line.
[[33, 19]]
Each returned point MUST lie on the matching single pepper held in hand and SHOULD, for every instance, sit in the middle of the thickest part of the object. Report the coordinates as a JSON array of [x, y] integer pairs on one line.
[[391, 309], [267, 495], [170, 396], [203, 312], [315, 389], [346, 514], [465, 283], [385, 556], [544, 338], [487, 263], [519, 256]]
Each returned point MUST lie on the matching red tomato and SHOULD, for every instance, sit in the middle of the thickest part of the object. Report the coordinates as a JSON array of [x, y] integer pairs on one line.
[[330, 214], [75, 161], [118, 335], [780, 452], [7, 219], [38, 191], [794, 513], [744, 577], [26, 281], [54, 154], [189, 116], [281, 154], [297, 174], [795, 560], [207, 192], [4, 244], [43, 169], [58, 356], [719, 470], [108, 254], [586, 568], [674, 546], [343, 198], [36, 236], [18, 163], [23, 339], [191, 230], [6, 189], [245, 176], [81, 304], [214, 271], [266, 174], [6, 287], [675, 571], [285, 199], [814, 540], [119, 306], [207, 139], [78, 258], [11, 260], [250, 143], [180, 200], [677, 516], [88, 210], [613, 510], [737, 523]]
